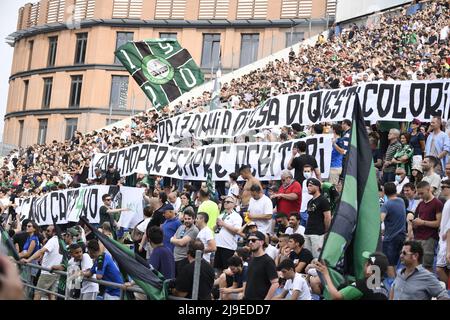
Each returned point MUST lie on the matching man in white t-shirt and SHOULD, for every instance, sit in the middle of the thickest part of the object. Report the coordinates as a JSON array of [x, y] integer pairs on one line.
[[50, 258], [296, 287], [226, 229], [443, 257], [175, 201], [308, 172], [205, 235], [83, 261], [260, 209], [294, 225], [234, 187]]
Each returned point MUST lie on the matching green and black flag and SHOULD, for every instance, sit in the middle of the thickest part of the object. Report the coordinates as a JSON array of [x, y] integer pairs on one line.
[[8, 243], [356, 223], [147, 278], [162, 68]]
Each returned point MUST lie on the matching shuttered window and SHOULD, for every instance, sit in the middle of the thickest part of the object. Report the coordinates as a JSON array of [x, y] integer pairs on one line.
[[84, 9], [170, 9], [296, 9], [213, 9], [128, 9], [55, 11], [252, 9]]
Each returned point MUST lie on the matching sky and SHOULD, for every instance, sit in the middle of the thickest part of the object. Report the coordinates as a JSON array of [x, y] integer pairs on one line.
[[8, 22]]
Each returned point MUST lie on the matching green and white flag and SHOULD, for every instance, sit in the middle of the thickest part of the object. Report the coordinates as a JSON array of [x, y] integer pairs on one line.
[[162, 68]]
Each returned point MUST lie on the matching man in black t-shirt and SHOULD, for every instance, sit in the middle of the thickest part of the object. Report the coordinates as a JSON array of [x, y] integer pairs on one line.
[[297, 163], [262, 277], [371, 287], [184, 280], [112, 176], [106, 211], [300, 256], [319, 218]]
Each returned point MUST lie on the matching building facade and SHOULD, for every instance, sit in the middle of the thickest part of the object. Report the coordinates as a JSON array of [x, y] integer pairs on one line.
[[65, 77]]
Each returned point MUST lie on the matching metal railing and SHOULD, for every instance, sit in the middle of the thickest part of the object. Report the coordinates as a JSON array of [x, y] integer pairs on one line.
[[123, 289]]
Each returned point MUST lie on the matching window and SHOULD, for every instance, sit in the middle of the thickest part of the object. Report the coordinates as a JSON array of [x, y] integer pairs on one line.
[[249, 48], [121, 39], [211, 50], [42, 134], [213, 9], [170, 9], [30, 56], [75, 91], [20, 132], [80, 52], [252, 9], [47, 96], [111, 121], [52, 45], [26, 83], [71, 127], [119, 92], [294, 37], [165, 35]]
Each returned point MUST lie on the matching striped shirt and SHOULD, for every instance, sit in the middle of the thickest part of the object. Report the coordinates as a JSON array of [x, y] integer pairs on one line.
[[390, 152]]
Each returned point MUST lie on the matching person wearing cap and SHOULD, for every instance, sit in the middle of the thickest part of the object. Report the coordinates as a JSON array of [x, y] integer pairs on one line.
[[413, 281], [319, 218], [417, 142], [443, 256], [262, 277], [371, 287], [296, 287], [260, 209], [170, 225], [184, 234], [289, 196], [438, 142], [227, 228]]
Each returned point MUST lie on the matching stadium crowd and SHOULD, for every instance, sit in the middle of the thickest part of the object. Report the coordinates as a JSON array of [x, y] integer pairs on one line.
[[262, 240]]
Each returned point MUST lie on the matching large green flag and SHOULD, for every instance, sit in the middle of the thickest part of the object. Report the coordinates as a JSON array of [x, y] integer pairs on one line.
[[162, 68], [8, 243], [149, 279], [356, 223]]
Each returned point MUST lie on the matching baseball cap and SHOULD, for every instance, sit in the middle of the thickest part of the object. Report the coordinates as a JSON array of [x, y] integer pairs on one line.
[[167, 207], [314, 182], [377, 259], [73, 232], [258, 234]]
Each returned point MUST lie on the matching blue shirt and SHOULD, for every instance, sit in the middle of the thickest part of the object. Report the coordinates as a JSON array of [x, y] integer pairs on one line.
[[395, 220], [28, 243], [162, 260], [336, 157], [169, 227], [110, 273]]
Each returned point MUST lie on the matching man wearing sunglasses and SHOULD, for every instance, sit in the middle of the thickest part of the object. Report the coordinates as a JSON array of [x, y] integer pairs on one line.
[[414, 282], [106, 210], [262, 277]]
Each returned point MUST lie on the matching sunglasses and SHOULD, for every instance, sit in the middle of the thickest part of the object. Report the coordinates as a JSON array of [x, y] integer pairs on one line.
[[406, 253]]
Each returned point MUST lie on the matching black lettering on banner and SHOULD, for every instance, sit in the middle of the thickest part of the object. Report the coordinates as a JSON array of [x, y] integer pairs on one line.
[[169, 130], [446, 107], [252, 151], [41, 206], [264, 160], [369, 87], [196, 125], [84, 203], [93, 203], [338, 103], [173, 160], [398, 114], [143, 153], [315, 99], [311, 142], [293, 103], [322, 156], [416, 109], [208, 159], [217, 121], [62, 206], [431, 109], [185, 122], [72, 197], [273, 117], [133, 159], [181, 164], [112, 158], [120, 157], [227, 116], [161, 129], [204, 125], [160, 156], [189, 164], [212, 123], [175, 132], [285, 149], [239, 123], [240, 157], [54, 202], [225, 150], [197, 161], [101, 163], [152, 148], [126, 162], [388, 88], [352, 92], [326, 110], [258, 119]]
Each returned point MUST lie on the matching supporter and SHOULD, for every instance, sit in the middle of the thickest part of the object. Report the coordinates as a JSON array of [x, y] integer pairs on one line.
[[269, 249], [416, 175], [393, 218], [296, 287], [184, 234], [400, 179], [438, 144], [337, 155], [294, 225], [184, 281], [299, 159], [112, 176], [170, 226], [319, 218], [107, 212], [233, 190], [299, 255], [158, 214], [260, 209], [414, 282], [246, 174], [175, 201], [185, 204], [283, 248], [403, 157], [443, 256], [32, 244], [289, 196], [417, 142], [281, 223], [239, 280], [426, 224], [262, 278], [208, 206], [307, 173], [429, 164], [447, 172], [392, 149], [409, 191], [89, 289], [161, 258], [205, 235], [226, 229]]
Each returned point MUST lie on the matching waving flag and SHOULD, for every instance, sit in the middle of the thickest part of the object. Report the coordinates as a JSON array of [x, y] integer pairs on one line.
[[7, 242], [356, 224], [162, 68], [147, 278]]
